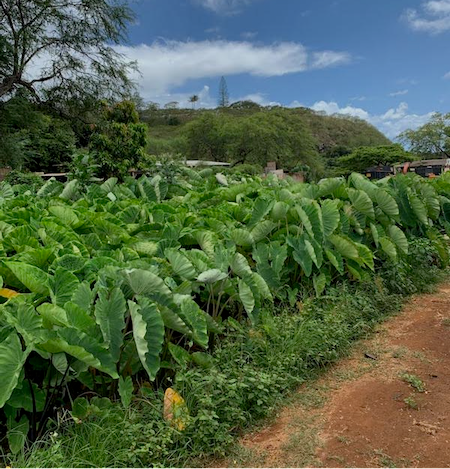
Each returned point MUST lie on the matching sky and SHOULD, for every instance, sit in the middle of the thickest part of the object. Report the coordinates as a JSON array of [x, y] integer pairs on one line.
[[386, 61]]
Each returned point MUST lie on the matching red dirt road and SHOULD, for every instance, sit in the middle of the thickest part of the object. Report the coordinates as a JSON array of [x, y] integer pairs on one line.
[[363, 412]]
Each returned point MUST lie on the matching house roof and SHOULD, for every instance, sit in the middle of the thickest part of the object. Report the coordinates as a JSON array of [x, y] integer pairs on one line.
[[435, 162]]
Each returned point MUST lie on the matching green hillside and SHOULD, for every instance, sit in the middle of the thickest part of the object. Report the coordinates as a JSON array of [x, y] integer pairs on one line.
[[247, 133]]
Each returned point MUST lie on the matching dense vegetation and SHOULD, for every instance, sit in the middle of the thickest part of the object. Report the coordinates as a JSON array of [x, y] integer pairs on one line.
[[116, 289], [248, 133]]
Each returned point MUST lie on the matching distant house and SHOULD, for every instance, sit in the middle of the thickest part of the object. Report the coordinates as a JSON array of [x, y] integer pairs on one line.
[[425, 168], [379, 172]]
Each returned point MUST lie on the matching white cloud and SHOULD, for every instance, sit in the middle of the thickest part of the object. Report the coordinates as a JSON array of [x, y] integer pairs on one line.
[[446, 76], [165, 65], [225, 7], [434, 19], [249, 34], [391, 123], [399, 93], [333, 108]]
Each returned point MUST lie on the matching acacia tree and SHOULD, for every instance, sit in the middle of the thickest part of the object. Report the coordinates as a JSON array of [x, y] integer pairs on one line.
[[430, 140], [62, 50]]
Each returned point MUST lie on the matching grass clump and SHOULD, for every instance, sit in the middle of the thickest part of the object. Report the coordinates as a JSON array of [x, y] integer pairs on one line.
[[414, 381]]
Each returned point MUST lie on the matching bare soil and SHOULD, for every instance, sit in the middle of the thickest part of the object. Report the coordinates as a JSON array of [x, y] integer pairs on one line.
[[363, 412]]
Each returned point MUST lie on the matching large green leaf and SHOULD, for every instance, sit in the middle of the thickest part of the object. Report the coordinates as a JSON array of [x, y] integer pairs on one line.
[[211, 276], [144, 282], [62, 286], [362, 202], [12, 359], [67, 216], [83, 347], [330, 216], [399, 238], [33, 278], [389, 248], [180, 264], [148, 334], [386, 202], [344, 246], [247, 298], [109, 314]]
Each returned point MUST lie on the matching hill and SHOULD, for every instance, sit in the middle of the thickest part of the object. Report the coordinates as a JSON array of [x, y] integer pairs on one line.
[[244, 132]]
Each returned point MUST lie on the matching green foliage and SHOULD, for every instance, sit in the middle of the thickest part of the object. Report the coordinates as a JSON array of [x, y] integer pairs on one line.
[[119, 141], [360, 159], [63, 32], [432, 140], [31, 138], [135, 280], [414, 381], [255, 139]]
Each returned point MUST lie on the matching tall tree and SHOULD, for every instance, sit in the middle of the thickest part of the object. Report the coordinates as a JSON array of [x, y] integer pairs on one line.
[[430, 140], [61, 50], [224, 98]]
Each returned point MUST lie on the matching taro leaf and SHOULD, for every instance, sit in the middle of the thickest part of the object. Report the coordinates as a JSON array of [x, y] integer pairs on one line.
[[52, 315], [65, 214], [195, 319], [336, 260], [204, 360], [319, 282], [109, 314], [144, 282], [361, 202], [82, 296], [84, 348], [180, 355], [344, 246], [365, 256], [145, 248], [211, 276], [389, 248], [62, 285], [262, 230], [17, 434], [12, 359], [399, 238], [386, 202], [70, 190], [71, 262], [330, 216], [32, 277], [174, 322], [180, 264], [126, 391], [241, 237], [239, 265], [27, 323], [148, 334], [247, 298], [23, 398]]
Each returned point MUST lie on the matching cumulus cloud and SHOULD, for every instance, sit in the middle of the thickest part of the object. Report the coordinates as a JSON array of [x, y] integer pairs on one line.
[[392, 122], [399, 93], [165, 65], [434, 17], [226, 7]]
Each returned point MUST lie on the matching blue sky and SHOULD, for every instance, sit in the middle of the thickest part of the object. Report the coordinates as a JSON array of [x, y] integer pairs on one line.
[[386, 61]]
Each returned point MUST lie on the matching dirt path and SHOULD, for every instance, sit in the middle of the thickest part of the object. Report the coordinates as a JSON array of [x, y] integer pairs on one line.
[[370, 409]]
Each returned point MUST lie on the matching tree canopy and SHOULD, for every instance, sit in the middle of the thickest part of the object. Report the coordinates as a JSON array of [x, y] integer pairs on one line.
[[432, 140], [364, 157], [62, 50]]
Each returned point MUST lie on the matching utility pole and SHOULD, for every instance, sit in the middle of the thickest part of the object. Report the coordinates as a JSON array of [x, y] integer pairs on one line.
[[224, 99]]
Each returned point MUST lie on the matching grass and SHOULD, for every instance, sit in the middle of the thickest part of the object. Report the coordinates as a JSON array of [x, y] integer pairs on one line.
[[414, 381]]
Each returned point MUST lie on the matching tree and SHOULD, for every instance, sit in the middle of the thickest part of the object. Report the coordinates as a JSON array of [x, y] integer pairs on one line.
[[224, 99], [171, 105], [62, 50], [430, 140], [193, 99], [119, 141], [365, 157]]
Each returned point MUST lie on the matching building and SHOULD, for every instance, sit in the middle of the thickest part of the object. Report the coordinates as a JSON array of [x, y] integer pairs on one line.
[[425, 168], [379, 172]]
